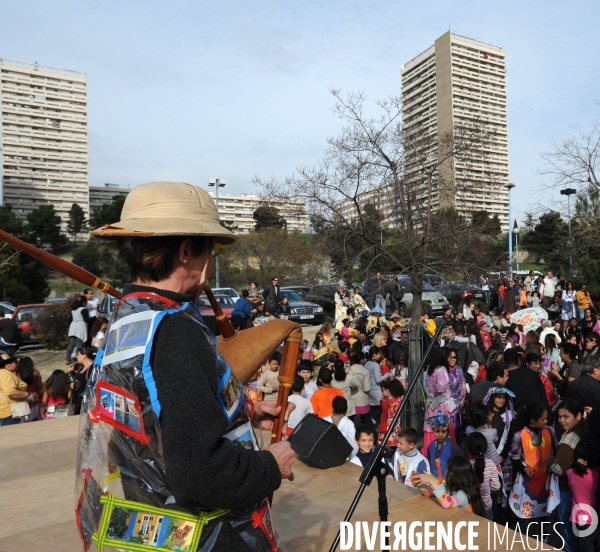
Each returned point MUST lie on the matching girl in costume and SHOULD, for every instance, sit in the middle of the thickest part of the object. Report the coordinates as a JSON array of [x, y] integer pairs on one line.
[[443, 448], [583, 479], [485, 470], [393, 392], [481, 420], [341, 300], [533, 361], [461, 490], [357, 302], [570, 417], [446, 392], [532, 445], [500, 401]]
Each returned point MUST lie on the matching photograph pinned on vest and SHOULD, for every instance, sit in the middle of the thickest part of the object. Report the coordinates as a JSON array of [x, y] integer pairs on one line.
[[261, 518], [134, 526], [244, 437], [89, 509], [120, 409], [232, 397]]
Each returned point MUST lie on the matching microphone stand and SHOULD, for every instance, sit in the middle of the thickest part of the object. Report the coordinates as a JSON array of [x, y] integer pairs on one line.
[[378, 467]]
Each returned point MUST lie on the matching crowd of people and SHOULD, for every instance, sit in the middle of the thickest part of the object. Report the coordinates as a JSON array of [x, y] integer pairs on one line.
[[25, 397], [511, 418]]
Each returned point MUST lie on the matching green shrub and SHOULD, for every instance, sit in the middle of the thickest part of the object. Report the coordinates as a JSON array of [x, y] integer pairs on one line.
[[53, 326]]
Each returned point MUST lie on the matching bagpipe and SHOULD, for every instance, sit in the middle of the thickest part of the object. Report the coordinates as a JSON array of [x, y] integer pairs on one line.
[[245, 351]]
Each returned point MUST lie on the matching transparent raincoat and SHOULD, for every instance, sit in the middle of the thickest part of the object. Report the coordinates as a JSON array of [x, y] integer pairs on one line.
[[123, 501]]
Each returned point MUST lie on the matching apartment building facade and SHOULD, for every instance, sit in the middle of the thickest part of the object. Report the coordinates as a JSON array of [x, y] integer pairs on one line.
[[238, 210], [99, 195], [43, 138], [460, 81]]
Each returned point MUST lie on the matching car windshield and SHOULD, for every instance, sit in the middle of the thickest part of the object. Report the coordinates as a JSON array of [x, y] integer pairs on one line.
[[222, 301], [291, 295], [225, 291], [28, 313], [406, 285]]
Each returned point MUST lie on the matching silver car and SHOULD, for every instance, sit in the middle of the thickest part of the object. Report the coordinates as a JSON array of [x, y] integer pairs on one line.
[[438, 303]]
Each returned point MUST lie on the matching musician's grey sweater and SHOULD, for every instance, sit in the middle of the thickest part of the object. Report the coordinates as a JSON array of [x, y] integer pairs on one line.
[[203, 469]]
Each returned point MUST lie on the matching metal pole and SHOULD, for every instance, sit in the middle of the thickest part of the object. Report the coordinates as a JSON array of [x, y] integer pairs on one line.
[[217, 267], [510, 232], [517, 244], [570, 248]]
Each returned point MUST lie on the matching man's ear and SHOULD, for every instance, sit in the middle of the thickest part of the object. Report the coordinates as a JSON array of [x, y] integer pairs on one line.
[[184, 251]]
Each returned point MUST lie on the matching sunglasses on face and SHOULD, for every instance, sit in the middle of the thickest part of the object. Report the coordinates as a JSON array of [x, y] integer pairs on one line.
[[452, 358]]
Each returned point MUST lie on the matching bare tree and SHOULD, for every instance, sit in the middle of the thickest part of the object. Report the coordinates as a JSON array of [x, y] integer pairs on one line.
[[574, 161], [407, 176], [9, 257]]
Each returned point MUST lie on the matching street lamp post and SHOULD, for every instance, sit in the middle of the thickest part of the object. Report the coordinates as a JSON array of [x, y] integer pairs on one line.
[[569, 192], [510, 186], [217, 183], [516, 233]]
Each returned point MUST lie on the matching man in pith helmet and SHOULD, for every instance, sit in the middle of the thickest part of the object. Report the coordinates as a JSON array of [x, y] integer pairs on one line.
[[171, 456]]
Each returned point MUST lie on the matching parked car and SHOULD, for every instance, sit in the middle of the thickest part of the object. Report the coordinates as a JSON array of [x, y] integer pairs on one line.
[[7, 309], [56, 300], [227, 291], [438, 302], [107, 306], [226, 303], [303, 312], [26, 317], [300, 290], [323, 294]]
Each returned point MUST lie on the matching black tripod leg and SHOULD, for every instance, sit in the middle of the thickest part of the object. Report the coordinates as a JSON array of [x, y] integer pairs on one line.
[[383, 501]]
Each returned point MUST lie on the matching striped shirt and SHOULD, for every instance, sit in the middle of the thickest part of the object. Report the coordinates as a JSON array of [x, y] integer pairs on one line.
[[491, 481]]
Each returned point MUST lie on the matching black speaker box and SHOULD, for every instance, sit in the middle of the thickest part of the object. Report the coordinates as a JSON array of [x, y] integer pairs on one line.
[[319, 442]]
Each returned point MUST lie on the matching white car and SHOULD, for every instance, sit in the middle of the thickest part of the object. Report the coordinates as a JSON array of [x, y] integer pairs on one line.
[[227, 291], [8, 309]]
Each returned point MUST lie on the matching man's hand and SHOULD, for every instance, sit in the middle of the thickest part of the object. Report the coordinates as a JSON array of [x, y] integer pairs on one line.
[[284, 455], [267, 411]]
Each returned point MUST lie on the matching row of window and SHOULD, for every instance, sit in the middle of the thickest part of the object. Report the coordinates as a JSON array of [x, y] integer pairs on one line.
[[39, 78]]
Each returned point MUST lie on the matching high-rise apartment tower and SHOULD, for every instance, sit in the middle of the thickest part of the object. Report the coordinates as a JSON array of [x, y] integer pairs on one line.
[[461, 81], [44, 138]]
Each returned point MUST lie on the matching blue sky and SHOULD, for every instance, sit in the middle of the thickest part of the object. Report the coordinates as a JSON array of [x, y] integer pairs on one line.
[[186, 90]]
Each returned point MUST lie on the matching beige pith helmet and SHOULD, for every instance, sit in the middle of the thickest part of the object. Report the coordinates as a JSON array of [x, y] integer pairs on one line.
[[167, 209]]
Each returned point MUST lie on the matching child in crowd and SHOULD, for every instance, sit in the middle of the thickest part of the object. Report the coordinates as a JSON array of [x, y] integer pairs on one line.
[[485, 336], [522, 297], [365, 441], [57, 392], [485, 470], [532, 444], [583, 479], [268, 382], [339, 419], [481, 419], [306, 351], [284, 309], [499, 401], [535, 299], [265, 317], [303, 406], [343, 356], [305, 370], [345, 330], [322, 399], [496, 339], [407, 458], [443, 448], [570, 417], [461, 489], [393, 391], [98, 330]]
